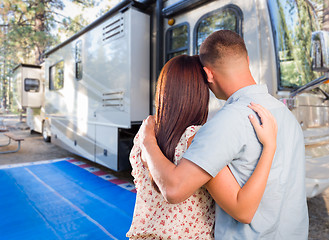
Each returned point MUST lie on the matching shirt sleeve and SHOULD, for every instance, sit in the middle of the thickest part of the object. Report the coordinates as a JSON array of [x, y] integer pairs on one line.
[[218, 142]]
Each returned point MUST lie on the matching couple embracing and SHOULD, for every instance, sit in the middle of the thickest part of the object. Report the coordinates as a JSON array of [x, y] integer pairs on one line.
[[239, 175]]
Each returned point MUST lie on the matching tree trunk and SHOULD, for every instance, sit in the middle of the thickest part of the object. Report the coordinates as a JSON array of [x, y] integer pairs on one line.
[[326, 15], [4, 69], [39, 27]]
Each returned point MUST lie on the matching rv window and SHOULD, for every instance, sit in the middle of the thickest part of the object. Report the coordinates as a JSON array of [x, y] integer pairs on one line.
[[229, 18], [177, 41], [31, 85], [78, 60], [293, 23], [56, 76]]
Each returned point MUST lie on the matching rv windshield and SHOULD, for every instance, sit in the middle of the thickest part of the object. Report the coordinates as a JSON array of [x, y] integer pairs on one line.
[[293, 22]]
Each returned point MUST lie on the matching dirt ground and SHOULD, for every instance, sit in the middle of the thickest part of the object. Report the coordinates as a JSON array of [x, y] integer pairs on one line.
[[35, 149]]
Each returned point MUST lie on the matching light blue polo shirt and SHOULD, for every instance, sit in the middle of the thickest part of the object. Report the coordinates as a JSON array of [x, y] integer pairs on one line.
[[229, 139]]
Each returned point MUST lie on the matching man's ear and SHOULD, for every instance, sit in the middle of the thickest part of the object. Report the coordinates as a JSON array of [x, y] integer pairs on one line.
[[210, 76]]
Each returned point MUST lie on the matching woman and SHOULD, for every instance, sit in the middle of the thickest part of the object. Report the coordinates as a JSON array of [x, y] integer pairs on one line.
[[181, 109]]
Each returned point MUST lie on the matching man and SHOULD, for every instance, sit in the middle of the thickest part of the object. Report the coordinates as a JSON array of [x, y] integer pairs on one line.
[[229, 139]]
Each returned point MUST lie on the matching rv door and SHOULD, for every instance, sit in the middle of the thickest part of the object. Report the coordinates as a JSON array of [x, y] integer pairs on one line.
[[302, 58], [186, 30]]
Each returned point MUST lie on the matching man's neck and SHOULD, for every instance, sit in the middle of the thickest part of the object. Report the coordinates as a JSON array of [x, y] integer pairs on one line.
[[237, 85]]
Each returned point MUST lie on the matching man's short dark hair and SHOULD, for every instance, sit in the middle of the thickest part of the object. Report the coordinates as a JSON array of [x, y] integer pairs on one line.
[[222, 45]]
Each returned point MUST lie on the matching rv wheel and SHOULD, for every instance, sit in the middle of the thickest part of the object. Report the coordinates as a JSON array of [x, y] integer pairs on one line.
[[33, 132], [45, 136]]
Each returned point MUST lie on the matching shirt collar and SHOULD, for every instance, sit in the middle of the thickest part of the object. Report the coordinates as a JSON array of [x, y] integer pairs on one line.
[[251, 89]]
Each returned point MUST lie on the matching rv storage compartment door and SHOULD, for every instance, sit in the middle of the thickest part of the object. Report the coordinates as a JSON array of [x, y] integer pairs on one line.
[[113, 147], [124, 76], [122, 68], [107, 146]]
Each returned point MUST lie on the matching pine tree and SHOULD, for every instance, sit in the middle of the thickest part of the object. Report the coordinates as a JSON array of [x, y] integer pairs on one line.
[[27, 31]]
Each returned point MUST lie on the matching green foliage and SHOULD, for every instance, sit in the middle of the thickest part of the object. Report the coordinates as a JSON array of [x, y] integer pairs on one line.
[[70, 26], [28, 28], [296, 22]]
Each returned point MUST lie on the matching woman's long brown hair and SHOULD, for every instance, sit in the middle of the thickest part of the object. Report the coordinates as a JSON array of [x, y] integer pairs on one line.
[[182, 97]]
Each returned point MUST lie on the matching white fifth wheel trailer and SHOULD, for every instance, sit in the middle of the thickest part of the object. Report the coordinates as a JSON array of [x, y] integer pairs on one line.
[[29, 93], [28, 86], [99, 84]]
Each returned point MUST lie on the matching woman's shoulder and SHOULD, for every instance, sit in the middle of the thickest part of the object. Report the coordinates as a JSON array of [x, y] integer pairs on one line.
[[190, 131], [183, 142]]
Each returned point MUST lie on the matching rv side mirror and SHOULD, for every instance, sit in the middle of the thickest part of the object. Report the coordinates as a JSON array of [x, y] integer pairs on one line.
[[320, 51]]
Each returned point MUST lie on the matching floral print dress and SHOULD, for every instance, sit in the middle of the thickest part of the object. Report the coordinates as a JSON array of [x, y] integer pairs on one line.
[[155, 218]]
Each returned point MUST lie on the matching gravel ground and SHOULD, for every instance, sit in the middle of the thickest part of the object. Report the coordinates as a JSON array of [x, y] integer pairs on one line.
[[318, 209], [35, 149]]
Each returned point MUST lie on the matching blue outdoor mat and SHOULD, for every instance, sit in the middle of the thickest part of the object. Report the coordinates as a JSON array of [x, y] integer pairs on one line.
[[62, 201]]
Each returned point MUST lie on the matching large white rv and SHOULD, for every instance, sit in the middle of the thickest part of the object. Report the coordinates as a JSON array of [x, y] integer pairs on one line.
[[99, 84]]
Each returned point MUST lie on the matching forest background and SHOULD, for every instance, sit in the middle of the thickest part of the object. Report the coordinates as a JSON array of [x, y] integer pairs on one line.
[[28, 28]]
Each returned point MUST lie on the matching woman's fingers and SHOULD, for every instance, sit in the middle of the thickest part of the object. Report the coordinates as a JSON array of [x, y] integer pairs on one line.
[[267, 130], [262, 112], [254, 123]]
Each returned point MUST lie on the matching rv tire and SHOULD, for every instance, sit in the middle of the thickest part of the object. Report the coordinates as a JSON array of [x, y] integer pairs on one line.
[[32, 132], [45, 136]]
